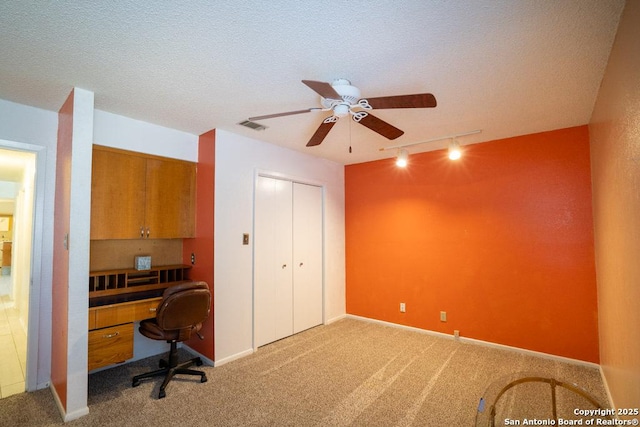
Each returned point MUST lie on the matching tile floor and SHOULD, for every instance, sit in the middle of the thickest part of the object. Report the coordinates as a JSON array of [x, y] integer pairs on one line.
[[13, 345]]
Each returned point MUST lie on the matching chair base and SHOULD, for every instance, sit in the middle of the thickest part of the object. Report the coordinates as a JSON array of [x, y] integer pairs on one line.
[[170, 368]]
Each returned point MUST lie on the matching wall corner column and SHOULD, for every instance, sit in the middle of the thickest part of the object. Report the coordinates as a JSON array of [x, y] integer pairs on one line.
[[72, 216]]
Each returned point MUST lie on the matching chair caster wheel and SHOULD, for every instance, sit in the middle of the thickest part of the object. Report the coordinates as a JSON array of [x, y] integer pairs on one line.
[[163, 363], [162, 394], [203, 379], [135, 383], [198, 362]]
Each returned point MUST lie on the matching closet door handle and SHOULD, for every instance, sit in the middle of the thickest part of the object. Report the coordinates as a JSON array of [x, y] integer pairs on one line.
[[142, 232], [148, 232]]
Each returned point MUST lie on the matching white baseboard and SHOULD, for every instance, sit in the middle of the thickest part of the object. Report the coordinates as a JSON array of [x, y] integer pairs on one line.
[[233, 357], [204, 358], [67, 416], [248, 352], [56, 399], [482, 343], [335, 319], [43, 385], [606, 389], [70, 416]]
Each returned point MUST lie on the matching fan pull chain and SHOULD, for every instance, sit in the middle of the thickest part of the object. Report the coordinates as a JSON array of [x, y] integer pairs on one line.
[[349, 136]]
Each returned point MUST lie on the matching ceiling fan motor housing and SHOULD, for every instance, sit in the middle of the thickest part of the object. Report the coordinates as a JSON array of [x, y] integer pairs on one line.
[[350, 94]]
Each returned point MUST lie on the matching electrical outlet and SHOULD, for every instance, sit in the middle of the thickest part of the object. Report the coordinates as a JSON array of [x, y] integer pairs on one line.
[[403, 307], [443, 316], [456, 334]]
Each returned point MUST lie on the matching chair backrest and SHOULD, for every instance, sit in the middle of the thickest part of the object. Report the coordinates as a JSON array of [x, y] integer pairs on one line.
[[184, 306]]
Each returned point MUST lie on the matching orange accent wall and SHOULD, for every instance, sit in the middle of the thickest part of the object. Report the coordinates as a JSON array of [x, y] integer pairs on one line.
[[60, 287], [502, 240], [202, 244]]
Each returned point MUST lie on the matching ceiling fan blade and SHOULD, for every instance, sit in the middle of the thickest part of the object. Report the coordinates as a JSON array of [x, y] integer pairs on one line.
[[323, 89], [321, 132], [377, 125], [288, 113], [420, 100]]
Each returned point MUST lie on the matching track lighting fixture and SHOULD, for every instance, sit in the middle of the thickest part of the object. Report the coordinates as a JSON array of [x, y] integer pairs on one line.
[[454, 151], [402, 158]]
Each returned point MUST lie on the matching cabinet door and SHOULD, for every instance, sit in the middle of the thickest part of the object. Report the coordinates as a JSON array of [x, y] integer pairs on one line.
[[170, 199], [273, 292], [117, 195], [307, 256]]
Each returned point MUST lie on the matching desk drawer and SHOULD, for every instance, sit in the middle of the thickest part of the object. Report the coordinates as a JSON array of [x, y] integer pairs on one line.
[[118, 314], [146, 309], [110, 345], [115, 315]]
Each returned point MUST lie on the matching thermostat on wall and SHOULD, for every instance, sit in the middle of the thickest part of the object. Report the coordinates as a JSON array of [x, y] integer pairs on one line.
[[143, 263]]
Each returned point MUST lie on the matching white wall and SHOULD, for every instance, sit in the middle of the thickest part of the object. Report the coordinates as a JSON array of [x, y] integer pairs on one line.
[[8, 190], [24, 127], [116, 131], [238, 159], [22, 241]]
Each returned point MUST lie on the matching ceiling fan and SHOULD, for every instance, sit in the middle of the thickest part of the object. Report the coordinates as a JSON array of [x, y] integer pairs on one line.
[[341, 98]]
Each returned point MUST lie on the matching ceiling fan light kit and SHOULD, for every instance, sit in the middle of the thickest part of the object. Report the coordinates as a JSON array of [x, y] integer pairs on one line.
[[342, 99]]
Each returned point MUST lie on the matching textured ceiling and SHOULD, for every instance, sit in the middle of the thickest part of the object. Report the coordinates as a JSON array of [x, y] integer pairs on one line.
[[508, 67]]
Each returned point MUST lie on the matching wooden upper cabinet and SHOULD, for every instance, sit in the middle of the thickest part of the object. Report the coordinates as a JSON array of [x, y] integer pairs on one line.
[[170, 199], [117, 195], [136, 196]]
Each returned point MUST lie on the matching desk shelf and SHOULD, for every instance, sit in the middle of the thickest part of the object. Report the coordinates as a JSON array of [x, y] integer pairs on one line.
[[114, 282]]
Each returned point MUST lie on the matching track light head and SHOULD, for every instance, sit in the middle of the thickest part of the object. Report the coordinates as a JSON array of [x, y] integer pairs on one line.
[[454, 150], [403, 158]]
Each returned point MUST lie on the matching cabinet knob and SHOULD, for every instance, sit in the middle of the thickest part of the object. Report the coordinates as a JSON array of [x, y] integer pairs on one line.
[[148, 231], [284, 265], [301, 264], [141, 232]]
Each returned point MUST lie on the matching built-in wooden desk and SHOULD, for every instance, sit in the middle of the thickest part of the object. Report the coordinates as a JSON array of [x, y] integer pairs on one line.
[[117, 299]]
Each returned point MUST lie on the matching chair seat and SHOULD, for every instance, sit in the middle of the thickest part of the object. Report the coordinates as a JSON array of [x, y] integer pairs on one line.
[[150, 329]]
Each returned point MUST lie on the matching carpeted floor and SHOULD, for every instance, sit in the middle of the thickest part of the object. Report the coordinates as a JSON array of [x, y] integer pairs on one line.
[[349, 373]]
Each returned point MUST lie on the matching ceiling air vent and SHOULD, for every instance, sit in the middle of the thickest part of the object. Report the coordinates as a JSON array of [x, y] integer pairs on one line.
[[252, 125]]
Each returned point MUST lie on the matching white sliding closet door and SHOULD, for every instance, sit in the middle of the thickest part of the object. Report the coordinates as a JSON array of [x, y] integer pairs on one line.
[[273, 297], [288, 259], [307, 253]]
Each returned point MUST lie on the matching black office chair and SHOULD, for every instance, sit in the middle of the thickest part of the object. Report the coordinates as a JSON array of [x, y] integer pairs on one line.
[[181, 312]]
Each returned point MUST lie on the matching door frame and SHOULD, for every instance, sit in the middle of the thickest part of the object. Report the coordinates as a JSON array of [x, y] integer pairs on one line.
[[294, 179], [33, 329]]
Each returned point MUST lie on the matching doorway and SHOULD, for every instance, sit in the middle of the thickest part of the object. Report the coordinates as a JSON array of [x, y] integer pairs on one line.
[[17, 196]]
